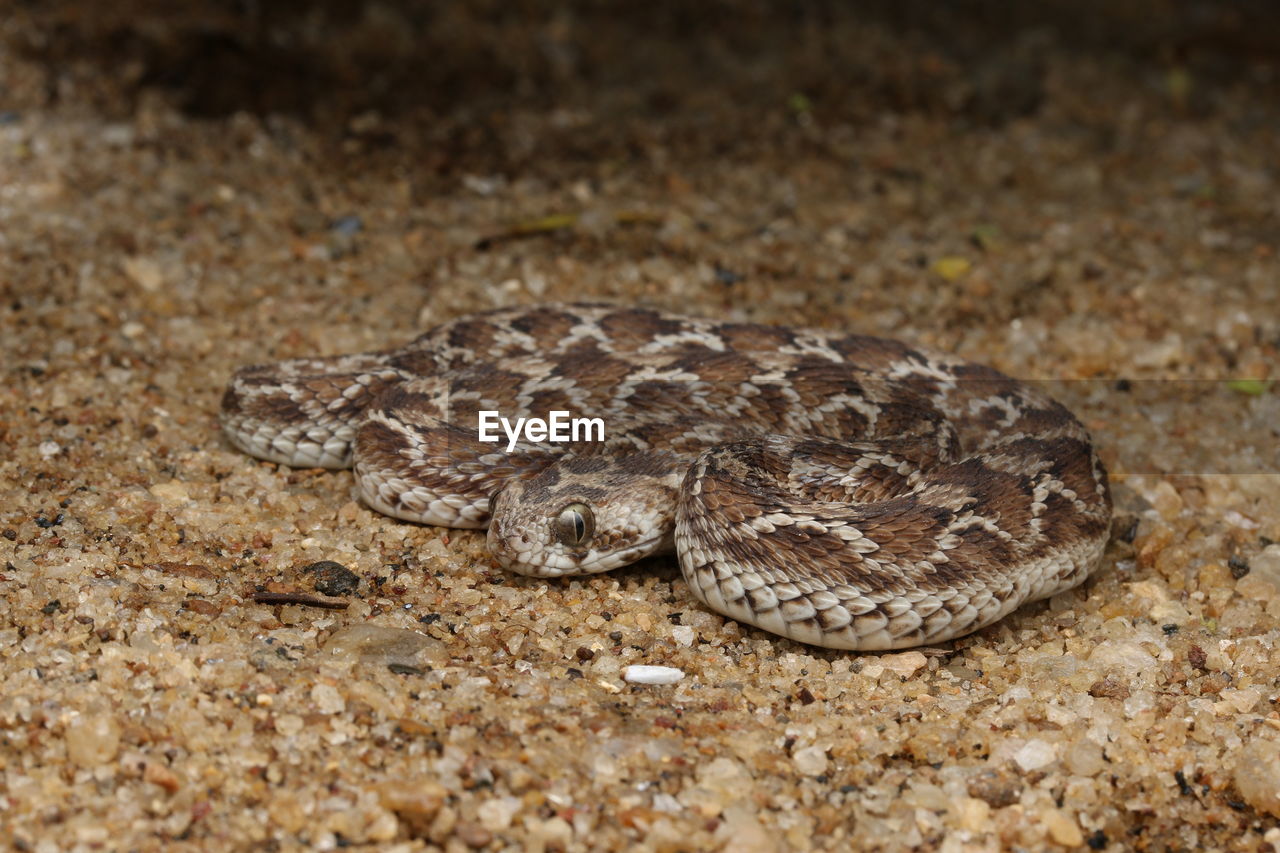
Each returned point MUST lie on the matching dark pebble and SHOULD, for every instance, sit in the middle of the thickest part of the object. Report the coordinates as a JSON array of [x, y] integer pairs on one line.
[[996, 789], [347, 226], [405, 669], [1238, 565], [333, 578], [727, 277]]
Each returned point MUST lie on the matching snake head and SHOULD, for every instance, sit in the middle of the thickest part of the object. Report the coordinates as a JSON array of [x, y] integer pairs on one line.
[[586, 514]]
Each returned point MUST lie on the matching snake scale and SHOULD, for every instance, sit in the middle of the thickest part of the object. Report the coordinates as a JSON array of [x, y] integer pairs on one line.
[[842, 490]]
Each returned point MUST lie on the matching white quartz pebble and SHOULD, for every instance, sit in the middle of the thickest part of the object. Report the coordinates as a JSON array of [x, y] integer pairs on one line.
[[640, 674]]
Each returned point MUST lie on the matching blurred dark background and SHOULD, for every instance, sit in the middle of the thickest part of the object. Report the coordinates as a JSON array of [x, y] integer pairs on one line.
[[332, 62]]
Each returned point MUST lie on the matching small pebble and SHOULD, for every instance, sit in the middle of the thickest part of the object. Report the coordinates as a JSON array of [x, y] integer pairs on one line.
[[554, 833], [811, 760], [1110, 688], [144, 272], [1128, 658], [333, 578], [1166, 500], [1084, 758], [972, 813], [92, 738], [415, 801], [398, 648], [1035, 754], [347, 226], [640, 674], [905, 664], [158, 774], [496, 814], [473, 835], [996, 789], [727, 277], [1062, 828], [743, 832], [1266, 565], [173, 491], [327, 699]]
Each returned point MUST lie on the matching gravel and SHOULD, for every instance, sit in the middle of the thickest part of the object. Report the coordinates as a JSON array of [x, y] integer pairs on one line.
[[1111, 217]]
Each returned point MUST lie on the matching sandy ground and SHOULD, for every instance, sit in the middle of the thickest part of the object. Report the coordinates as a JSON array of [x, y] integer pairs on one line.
[[184, 193]]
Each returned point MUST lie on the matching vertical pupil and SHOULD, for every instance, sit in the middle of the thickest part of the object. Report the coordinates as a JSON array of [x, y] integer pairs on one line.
[[573, 525]]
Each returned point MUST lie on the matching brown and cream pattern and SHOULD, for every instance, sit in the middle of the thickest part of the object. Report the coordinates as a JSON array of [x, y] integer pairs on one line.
[[843, 490]]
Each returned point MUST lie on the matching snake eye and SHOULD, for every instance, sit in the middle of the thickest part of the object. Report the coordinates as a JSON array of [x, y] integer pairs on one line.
[[574, 525]]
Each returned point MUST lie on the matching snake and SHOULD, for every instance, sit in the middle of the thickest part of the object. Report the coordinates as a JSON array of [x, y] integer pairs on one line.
[[838, 489]]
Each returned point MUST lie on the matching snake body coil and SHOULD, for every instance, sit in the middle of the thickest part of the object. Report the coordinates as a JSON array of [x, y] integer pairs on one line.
[[846, 491]]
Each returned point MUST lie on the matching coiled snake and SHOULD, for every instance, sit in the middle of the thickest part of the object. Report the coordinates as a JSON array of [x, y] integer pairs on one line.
[[842, 490]]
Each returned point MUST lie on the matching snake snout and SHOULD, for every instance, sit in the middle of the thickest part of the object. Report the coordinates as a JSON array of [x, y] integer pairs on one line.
[[510, 546]]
